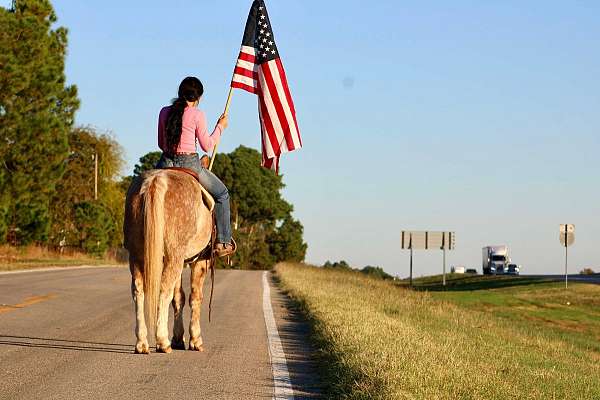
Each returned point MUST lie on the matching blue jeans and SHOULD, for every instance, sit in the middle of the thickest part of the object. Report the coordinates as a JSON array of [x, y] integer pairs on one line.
[[211, 183]]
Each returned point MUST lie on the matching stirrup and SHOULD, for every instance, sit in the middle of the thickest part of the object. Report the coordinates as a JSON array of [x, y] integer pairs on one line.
[[229, 253]]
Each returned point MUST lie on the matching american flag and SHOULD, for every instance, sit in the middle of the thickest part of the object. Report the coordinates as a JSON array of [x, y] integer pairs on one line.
[[259, 70]]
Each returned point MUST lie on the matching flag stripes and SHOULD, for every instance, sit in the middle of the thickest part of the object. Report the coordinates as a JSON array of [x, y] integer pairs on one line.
[[245, 74]]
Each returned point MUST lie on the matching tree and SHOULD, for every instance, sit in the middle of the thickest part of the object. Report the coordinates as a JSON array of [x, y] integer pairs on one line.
[[146, 163], [255, 191], [257, 209], [95, 225], [286, 242], [36, 113], [77, 186], [587, 271]]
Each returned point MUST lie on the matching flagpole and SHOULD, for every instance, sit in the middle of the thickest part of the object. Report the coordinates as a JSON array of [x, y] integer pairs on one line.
[[212, 158]]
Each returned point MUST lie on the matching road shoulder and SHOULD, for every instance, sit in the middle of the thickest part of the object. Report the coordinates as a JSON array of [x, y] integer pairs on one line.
[[294, 332]]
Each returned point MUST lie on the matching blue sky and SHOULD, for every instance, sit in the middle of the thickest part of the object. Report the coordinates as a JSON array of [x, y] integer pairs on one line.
[[478, 117]]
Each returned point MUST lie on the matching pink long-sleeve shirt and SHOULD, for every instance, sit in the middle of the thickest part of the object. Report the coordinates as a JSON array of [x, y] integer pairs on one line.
[[193, 127]]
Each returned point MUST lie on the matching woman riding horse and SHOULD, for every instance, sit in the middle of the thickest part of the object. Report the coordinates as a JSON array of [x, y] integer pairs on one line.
[[182, 125]]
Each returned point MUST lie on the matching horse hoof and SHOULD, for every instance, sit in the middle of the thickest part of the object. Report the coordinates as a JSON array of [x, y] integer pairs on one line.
[[178, 345], [195, 346], [142, 348], [165, 350]]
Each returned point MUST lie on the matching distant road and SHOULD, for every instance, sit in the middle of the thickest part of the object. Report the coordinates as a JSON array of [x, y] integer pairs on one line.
[[69, 334], [595, 278]]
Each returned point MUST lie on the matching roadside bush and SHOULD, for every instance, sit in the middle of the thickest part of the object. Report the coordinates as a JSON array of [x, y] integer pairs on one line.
[[376, 272], [337, 264]]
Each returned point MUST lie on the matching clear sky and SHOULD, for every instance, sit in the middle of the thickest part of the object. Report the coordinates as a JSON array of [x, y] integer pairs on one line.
[[478, 117]]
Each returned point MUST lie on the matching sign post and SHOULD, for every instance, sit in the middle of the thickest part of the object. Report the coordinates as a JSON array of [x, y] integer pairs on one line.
[[444, 241], [567, 238], [411, 264], [447, 244]]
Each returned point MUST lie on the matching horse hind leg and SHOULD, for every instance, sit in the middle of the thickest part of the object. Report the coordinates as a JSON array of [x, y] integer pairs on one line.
[[178, 304], [171, 274], [198, 274], [137, 292]]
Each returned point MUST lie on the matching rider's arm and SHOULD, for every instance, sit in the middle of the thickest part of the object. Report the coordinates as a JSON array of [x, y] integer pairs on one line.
[[207, 142], [162, 122]]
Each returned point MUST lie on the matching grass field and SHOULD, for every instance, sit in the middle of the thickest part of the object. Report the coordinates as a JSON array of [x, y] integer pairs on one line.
[[17, 258], [478, 339]]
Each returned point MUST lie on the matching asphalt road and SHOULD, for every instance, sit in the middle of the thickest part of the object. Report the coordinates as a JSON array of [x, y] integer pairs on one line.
[[593, 278], [70, 334]]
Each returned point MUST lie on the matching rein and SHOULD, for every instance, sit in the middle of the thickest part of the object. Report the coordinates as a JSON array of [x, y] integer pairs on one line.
[[212, 262]]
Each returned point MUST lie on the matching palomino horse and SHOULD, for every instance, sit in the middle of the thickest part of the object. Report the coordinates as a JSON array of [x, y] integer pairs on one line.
[[168, 220]]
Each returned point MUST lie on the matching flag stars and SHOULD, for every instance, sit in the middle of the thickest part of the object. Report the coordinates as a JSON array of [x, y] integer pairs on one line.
[[264, 42]]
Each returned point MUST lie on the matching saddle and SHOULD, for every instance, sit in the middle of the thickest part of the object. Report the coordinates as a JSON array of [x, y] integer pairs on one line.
[[208, 200]]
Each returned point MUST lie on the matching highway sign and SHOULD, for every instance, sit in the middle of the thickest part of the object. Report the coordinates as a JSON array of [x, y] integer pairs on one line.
[[567, 234], [427, 240]]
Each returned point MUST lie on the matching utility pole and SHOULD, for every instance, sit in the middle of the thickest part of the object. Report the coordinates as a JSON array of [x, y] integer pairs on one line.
[[95, 174]]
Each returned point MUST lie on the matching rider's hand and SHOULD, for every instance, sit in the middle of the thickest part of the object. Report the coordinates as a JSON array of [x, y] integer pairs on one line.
[[224, 121]]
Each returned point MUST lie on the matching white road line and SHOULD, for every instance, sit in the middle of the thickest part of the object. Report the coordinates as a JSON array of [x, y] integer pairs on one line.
[[282, 385], [51, 269]]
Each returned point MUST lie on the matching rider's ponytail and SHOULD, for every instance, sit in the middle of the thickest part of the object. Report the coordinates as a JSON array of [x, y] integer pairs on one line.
[[190, 89]]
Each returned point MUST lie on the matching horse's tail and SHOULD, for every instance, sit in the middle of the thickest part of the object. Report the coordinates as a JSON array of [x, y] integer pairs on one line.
[[154, 228]]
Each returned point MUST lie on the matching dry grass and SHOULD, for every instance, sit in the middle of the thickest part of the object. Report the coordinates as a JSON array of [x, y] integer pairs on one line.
[[16, 258], [380, 341]]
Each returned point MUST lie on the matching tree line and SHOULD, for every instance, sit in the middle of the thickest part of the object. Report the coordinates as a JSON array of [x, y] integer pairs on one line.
[[370, 270], [48, 165]]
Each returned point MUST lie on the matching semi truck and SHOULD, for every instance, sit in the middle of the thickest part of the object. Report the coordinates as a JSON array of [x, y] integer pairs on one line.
[[495, 260]]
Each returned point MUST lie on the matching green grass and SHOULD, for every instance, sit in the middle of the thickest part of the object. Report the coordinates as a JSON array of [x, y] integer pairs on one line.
[[481, 338], [571, 315]]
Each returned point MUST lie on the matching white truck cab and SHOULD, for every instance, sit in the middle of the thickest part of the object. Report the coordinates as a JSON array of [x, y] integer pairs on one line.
[[495, 260]]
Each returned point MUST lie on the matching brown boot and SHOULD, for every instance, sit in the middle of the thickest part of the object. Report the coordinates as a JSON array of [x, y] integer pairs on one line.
[[225, 249]]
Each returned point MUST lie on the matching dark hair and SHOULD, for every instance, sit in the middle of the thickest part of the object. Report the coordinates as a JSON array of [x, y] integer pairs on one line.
[[190, 89]]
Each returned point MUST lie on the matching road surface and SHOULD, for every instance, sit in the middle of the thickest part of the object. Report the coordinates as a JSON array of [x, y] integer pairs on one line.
[[70, 334], [593, 278]]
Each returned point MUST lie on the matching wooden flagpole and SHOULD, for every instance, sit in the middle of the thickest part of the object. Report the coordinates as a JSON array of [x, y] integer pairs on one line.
[[212, 158]]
